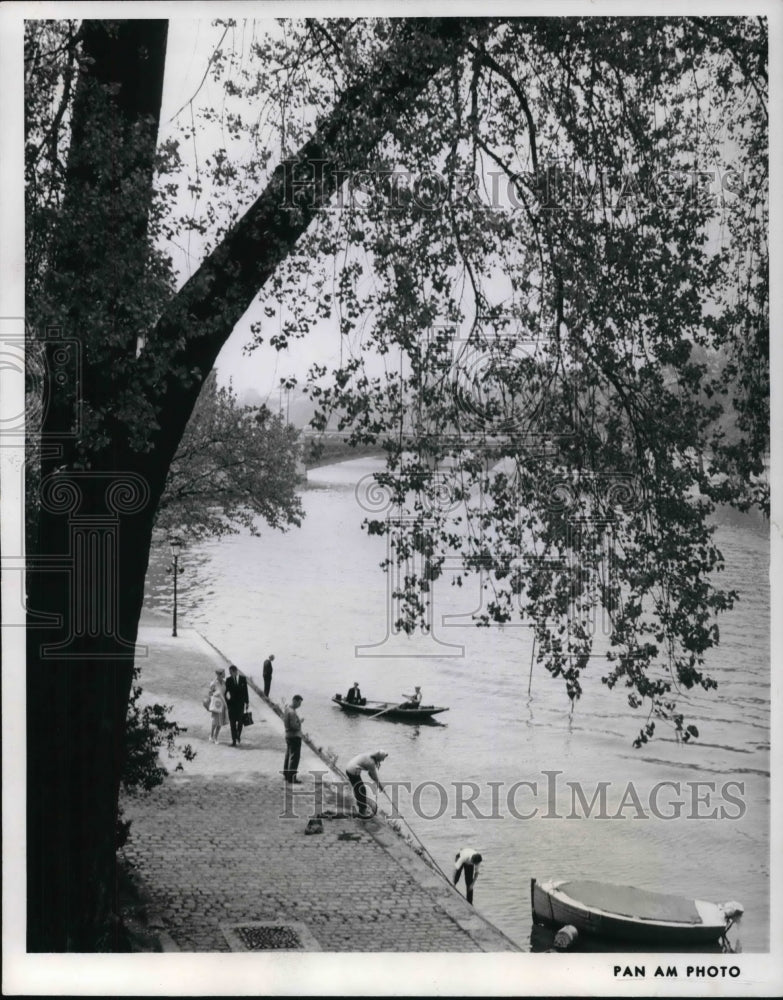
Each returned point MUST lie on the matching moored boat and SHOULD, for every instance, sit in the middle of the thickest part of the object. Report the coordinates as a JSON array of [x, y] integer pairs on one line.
[[603, 909], [389, 710]]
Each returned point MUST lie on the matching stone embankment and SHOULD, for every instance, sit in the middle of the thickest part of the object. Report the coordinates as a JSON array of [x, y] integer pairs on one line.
[[222, 858]]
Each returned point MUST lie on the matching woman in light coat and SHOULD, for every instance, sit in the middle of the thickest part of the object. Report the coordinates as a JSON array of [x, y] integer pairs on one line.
[[218, 704]]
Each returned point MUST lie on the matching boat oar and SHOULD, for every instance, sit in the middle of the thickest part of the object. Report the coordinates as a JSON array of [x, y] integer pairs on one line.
[[389, 709]]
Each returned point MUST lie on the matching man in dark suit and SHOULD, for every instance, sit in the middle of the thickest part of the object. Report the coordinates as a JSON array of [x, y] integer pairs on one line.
[[268, 673], [238, 702]]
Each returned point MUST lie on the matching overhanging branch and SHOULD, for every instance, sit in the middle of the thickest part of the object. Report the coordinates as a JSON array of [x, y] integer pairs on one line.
[[211, 303]]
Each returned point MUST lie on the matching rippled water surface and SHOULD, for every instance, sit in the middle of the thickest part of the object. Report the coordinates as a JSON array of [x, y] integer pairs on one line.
[[314, 595]]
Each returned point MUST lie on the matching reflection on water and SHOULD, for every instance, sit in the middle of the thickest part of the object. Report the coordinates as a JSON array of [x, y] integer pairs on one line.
[[316, 596]]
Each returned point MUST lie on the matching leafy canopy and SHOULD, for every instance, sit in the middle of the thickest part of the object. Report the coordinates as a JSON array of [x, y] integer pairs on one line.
[[551, 288]]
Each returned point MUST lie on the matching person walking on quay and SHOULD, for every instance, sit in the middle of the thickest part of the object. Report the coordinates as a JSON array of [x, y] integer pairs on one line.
[[293, 740], [369, 762], [467, 861], [218, 705], [268, 673], [238, 702]]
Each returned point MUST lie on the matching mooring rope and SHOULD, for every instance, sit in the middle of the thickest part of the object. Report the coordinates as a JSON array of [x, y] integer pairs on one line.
[[435, 864]]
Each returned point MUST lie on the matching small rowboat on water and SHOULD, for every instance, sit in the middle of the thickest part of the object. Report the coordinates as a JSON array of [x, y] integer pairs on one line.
[[388, 710], [623, 912]]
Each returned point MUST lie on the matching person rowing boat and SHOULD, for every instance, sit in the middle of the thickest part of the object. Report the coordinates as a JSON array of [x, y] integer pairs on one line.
[[412, 700]]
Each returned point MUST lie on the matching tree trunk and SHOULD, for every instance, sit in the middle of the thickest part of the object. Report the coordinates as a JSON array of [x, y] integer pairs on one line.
[[85, 579]]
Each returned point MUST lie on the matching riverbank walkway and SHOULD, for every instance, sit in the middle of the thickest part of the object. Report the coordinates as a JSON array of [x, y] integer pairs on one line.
[[221, 855]]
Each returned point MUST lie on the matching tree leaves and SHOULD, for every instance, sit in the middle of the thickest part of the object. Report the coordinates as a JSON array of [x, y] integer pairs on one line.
[[234, 465], [542, 374]]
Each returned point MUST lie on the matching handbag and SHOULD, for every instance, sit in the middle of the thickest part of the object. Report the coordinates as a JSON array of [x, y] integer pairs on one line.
[[247, 718], [206, 701]]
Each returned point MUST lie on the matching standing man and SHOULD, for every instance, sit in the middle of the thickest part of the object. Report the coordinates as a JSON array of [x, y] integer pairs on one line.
[[268, 673], [293, 740], [467, 860], [238, 702], [369, 762]]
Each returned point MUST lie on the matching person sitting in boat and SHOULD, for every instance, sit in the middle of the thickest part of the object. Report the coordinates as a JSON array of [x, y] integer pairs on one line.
[[354, 696], [413, 700], [467, 861]]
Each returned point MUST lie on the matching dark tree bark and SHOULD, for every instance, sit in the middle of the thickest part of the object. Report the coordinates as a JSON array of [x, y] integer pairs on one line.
[[98, 495], [86, 577]]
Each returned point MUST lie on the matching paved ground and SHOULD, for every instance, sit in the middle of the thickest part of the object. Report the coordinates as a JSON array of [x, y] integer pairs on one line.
[[223, 842]]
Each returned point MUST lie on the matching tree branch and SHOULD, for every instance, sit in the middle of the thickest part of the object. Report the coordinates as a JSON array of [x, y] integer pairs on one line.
[[501, 71], [210, 304]]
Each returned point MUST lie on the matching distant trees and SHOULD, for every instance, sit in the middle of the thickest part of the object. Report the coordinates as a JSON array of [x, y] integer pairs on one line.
[[233, 465]]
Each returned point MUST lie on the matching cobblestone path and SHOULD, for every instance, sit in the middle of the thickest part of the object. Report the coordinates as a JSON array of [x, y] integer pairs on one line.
[[218, 845]]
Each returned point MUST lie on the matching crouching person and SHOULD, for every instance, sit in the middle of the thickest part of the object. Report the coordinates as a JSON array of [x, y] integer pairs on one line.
[[467, 861]]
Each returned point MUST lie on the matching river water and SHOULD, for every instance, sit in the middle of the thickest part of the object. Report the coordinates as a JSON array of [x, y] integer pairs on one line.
[[313, 595]]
